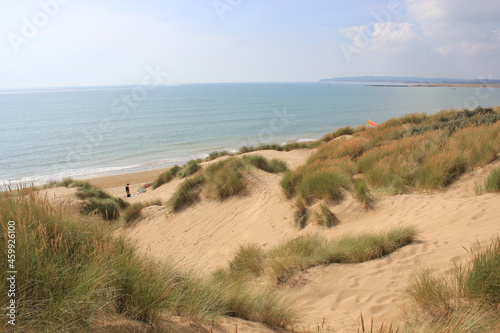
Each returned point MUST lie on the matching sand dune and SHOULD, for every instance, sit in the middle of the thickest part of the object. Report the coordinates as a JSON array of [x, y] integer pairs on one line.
[[206, 236]]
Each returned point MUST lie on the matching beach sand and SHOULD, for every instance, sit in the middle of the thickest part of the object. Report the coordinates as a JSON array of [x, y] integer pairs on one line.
[[205, 237]]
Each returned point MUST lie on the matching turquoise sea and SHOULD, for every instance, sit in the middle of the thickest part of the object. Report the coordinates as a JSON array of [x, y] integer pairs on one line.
[[48, 134]]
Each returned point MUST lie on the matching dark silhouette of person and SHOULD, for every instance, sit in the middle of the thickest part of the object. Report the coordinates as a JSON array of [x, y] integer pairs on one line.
[[127, 189]]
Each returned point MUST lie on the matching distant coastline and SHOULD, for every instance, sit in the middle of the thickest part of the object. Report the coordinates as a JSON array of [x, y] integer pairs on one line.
[[431, 85], [409, 81]]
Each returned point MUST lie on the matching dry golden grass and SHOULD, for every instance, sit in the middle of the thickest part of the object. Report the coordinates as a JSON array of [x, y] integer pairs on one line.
[[415, 152]]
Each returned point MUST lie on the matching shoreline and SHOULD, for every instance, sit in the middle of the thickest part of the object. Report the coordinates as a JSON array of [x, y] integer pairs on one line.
[[133, 178], [150, 169]]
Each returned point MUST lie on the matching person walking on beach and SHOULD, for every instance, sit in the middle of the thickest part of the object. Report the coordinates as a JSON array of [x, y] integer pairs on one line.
[[127, 189]]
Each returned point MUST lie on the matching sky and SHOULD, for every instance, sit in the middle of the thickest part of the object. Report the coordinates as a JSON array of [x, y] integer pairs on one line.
[[58, 43]]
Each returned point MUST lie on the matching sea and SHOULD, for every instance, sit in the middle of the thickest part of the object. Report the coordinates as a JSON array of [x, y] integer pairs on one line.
[[81, 132]]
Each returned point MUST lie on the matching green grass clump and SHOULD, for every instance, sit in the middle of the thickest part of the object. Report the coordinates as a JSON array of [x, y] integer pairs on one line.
[[294, 255], [89, 192], [341, 131], [224, 178], [133, 212], [361, 192], [176, 171], [481, 279], [188, 169], [259, 161], [216, 154], [322, 185], [492, 183], [66, 182], [97, 201], [468, 298], [248, 259], [260, 304], [325, 217], [187, 193], [288, 183], [166, 176], [108, 209]]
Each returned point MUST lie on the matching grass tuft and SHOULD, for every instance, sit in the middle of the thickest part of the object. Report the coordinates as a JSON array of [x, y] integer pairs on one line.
[[224, 178], [133, 212], [108, 209], [259, 161], [248, 259], [166, 176], [188, 169], [301, 214], [492, 183], [216, 154], [187, 193], [322, 185], [361, 193], [465, 301], [325, 217]]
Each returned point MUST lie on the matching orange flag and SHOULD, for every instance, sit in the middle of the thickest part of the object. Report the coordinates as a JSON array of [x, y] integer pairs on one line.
[[371, 123]]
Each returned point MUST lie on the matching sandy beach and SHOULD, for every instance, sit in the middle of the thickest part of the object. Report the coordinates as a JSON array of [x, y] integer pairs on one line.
[[206, 236]]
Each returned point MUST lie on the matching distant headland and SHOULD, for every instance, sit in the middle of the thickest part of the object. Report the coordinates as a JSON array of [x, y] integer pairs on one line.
[[410, 81]]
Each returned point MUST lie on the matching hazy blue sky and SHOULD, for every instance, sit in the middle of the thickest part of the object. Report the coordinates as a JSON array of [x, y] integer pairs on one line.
[[96, 42]]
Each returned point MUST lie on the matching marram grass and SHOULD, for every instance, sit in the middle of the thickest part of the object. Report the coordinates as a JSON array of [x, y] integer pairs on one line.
[[72, 272], [465, 301], [283, 261]]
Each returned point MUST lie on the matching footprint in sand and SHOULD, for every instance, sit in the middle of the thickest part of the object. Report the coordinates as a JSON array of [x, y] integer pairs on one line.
[[382, 299], [376, 309], [354, 282]]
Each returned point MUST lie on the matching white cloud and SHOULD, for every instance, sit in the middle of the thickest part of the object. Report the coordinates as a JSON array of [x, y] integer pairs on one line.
[[458, 27], [380, 35]]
